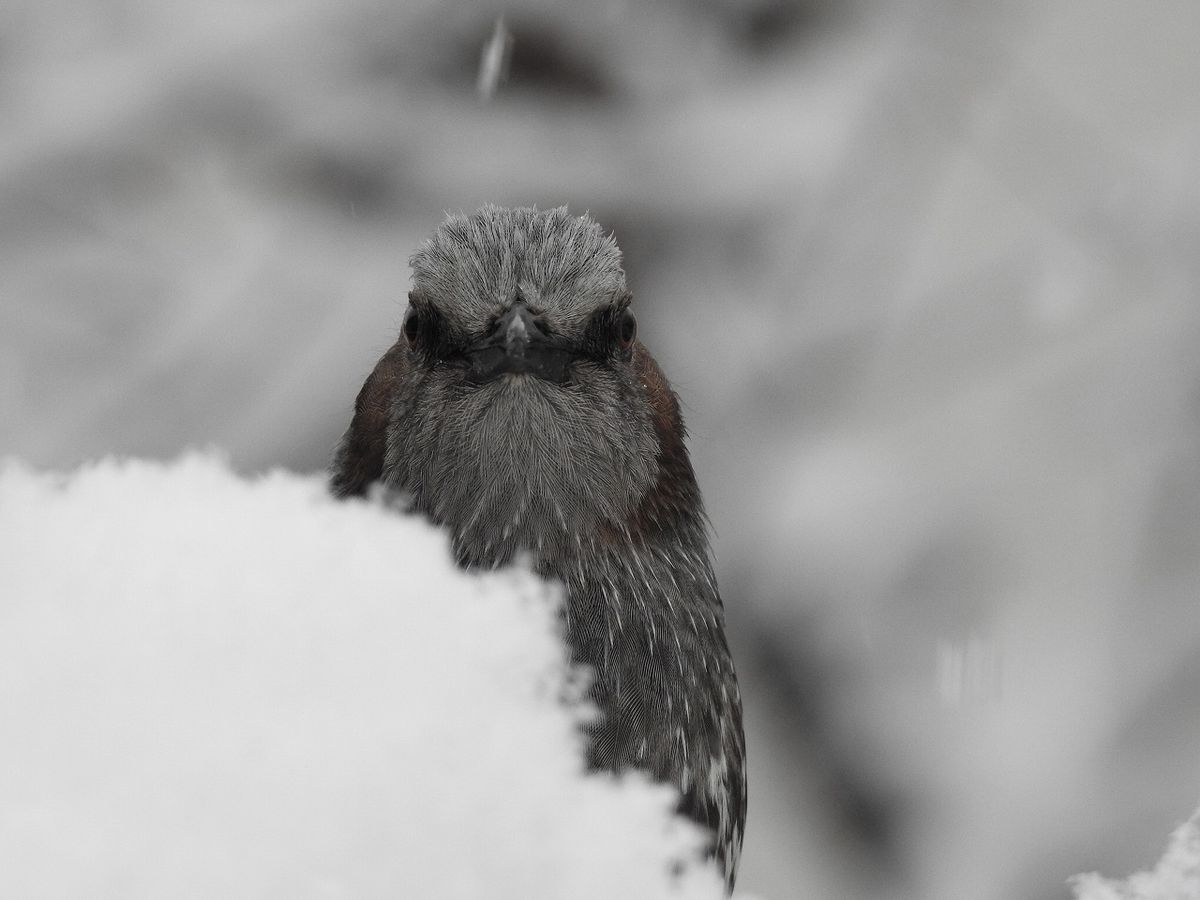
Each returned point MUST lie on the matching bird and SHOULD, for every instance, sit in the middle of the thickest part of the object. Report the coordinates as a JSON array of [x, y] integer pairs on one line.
[[519, 409]]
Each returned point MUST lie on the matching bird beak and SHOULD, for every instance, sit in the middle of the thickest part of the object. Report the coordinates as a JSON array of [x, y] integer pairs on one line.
[[518, 328], [518, 343]]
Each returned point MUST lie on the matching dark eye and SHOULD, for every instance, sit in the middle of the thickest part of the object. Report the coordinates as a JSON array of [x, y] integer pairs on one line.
[[626, 329], [412, 326]]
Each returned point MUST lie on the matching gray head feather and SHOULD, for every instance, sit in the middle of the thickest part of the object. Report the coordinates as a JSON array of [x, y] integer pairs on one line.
[[473, 265]]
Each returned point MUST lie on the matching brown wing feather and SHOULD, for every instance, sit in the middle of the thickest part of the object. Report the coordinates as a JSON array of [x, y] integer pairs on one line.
[[360, 455]]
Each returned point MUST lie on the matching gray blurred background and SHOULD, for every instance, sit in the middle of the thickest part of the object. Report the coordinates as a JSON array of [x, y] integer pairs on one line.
[[924, 273]]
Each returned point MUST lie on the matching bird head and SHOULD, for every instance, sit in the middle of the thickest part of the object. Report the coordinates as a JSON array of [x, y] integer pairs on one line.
[[518, 406]]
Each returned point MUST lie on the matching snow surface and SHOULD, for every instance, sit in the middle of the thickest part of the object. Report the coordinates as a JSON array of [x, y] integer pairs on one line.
[[215, 687], [1176, 877]]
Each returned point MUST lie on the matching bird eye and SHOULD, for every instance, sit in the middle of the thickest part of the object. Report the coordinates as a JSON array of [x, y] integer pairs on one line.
[[626, 329], [412, 326]]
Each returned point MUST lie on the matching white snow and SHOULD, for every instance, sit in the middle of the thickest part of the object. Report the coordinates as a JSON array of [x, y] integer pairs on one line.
[[218, 687], [1176, 877]]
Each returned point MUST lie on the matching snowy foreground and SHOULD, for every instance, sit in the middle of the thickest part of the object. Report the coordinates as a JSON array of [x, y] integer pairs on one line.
[[1176, 877], [217, 687]]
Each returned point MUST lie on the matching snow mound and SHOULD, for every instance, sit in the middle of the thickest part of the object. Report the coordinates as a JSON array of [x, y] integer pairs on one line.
[[1176, 877], [215, 687]]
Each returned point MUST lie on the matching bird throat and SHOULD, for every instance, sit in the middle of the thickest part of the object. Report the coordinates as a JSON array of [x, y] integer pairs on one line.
[[523, 469]]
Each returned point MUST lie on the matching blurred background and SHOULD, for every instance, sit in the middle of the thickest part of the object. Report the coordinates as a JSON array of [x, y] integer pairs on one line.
[[925, 274]]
